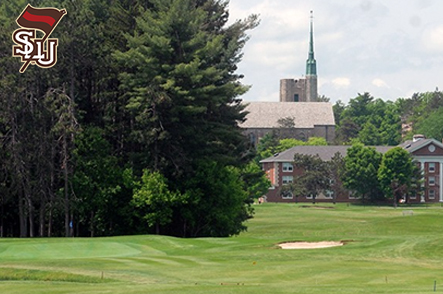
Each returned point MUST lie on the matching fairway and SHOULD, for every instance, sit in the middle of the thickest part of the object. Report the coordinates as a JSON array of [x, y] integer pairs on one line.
[[385, 251]]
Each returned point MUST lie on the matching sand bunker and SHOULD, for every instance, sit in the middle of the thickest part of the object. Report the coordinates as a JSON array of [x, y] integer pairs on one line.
[[309, 245]]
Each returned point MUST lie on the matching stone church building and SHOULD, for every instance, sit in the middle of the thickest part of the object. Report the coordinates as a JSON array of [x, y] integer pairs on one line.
[[304, 117]]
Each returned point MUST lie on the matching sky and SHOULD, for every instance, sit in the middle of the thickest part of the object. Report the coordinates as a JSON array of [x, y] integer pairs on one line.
[[390, 48]]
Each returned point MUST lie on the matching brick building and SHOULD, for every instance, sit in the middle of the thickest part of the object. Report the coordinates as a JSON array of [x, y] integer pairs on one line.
[[428, 153]]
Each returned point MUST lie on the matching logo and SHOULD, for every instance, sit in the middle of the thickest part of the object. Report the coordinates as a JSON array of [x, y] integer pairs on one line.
[[31, 49]]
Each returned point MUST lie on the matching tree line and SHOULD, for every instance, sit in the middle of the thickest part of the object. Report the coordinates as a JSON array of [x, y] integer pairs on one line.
[[134, 130], [377, 122]]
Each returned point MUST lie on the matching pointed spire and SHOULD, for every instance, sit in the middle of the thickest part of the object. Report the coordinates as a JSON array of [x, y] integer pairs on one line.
[[311, 64]]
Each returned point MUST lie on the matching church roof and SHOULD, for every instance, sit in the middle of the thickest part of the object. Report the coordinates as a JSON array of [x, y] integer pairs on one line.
[[305, 114], [311, 64]]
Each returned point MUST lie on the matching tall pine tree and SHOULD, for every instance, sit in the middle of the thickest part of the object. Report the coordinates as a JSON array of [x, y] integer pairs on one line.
[[181, 87]]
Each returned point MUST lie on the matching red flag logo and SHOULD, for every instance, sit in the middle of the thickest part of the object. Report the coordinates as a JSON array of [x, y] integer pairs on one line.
[[43, 19], [31, 49]]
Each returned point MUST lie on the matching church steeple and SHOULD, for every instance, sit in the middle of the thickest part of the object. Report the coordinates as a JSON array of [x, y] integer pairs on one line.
[[311, 64]]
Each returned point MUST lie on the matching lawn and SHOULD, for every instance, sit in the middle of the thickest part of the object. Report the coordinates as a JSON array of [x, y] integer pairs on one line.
[[386, 252]]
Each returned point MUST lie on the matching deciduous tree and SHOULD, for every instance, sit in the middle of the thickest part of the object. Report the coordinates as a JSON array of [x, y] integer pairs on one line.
[[361, 167], [395, 173]]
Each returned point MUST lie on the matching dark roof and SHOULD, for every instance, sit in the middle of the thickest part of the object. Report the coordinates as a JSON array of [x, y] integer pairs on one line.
[[325, 152], [412, 146]]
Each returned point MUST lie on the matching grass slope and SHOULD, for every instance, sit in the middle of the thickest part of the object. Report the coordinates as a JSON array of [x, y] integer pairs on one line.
[[390, 253]]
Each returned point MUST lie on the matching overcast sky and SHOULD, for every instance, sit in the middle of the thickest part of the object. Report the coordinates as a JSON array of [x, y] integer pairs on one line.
[[390, 48]]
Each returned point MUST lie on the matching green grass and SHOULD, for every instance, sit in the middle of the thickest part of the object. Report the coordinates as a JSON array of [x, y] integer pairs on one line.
[[389, 253], [14, 274]]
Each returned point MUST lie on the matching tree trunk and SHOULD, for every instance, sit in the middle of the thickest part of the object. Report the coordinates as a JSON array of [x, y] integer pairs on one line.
[[1, 218], [30, 215], [66, 185], [22, 216], [41, 230], [50, 221], [91, 228]]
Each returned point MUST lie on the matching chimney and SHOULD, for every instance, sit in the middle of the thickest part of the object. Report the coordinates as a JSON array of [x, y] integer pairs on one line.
[[418, 137]]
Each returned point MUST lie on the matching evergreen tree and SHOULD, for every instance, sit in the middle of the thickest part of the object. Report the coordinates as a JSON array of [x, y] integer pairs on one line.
[[181, 91]]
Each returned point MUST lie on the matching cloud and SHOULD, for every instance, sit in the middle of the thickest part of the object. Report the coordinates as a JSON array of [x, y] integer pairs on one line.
[[380, 83], [341, 82], [433, 39], [274, 54], [389, 48]]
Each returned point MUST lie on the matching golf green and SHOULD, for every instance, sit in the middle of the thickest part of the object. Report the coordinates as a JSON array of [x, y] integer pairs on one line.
[[386, 251]]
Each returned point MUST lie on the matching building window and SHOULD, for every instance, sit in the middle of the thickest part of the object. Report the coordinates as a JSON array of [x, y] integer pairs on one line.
[[287, 195], [310, 196], [353, 195], [431, 181], [431, 194], [287, 167], [252, 139], [329, 194], [431, 167], [287, 179], [413, 197]]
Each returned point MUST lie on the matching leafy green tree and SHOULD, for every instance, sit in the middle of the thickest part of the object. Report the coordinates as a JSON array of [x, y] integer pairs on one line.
[[338, 109], [347, 131], [266, 146], [336, 167], [416, 188], [218, 202], [418, 112], [361, 167], [369, 135], [373, 122], [315, 177], [358, 108], [269, 145], [390, 126], [323, 98], [395, 173], [97, 183], [316, 141], [285, 144], [432, 126], [255, 180], [154, 200]]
